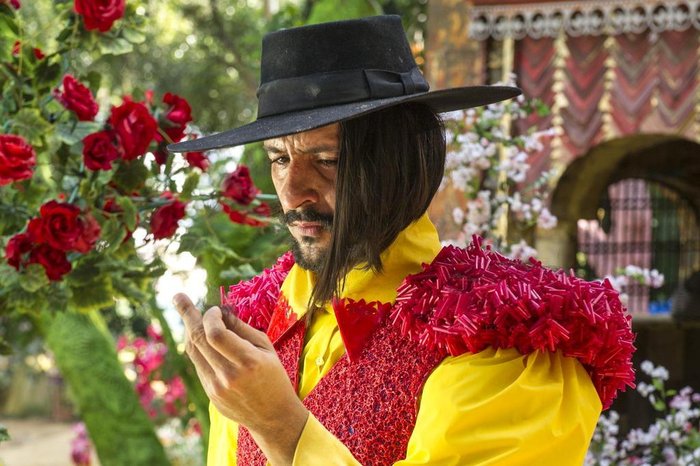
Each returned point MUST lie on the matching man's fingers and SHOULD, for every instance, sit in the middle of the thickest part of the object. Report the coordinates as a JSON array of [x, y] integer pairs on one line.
[[223, 340], [245, 331], [198, 339], [204, 370], [189, 313]]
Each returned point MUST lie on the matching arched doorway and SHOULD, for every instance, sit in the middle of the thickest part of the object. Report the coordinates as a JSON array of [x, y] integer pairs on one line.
[[632, 200]]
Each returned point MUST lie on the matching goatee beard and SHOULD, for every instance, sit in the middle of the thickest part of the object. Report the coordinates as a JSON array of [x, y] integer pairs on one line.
[[311, 262]]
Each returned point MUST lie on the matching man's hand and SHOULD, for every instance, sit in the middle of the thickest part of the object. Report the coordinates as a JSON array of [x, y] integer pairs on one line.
[[243, 377]]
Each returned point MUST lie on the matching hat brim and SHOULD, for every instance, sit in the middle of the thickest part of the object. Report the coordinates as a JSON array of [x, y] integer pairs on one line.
[[274, 126]]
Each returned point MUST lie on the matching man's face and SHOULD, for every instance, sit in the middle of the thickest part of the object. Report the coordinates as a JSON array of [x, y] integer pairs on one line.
[[304, 168]]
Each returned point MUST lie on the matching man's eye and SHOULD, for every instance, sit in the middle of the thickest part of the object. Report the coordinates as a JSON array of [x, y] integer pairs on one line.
[[328, 162], [281, 160]]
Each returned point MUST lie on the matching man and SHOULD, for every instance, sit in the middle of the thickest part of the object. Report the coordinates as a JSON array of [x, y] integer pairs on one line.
[[369, 343]]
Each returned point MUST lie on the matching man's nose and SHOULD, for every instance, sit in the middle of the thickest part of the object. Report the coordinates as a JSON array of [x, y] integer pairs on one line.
[[299, 188]]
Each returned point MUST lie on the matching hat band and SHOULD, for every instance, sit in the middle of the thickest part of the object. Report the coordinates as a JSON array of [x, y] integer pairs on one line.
[[340, 87]]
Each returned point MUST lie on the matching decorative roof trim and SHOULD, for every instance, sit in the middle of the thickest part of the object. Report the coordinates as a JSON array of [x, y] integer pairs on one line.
[[594, 17]]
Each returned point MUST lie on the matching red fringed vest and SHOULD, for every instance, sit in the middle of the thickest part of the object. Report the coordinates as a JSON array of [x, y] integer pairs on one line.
[[466, 300]]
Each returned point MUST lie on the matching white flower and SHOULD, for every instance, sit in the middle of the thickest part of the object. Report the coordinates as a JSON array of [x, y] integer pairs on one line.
[[647, 366], [645, 389], [458, 215], [660, 373], [522, 251], [656, 279], [624, 299], [546, 220], [453, 116]]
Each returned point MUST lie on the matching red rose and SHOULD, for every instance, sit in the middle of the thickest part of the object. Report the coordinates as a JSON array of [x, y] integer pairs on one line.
[[100, 150], [16, 248], [14, 3], [178, 115], [263, 210], [53, 260], [17, 48], [99, 14], [59, 225], [164, 219], [237, 216], [197, 159], [62, 227], [239, 186], [91, 232], [78, 98], [135, 126], [17, 159]]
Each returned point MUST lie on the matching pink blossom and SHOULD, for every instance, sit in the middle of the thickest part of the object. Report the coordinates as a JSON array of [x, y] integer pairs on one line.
[[81, 448]]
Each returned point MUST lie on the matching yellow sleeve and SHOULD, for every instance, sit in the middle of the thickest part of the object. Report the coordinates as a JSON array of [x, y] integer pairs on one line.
[[223, 439], [496, 407], [318, 447]]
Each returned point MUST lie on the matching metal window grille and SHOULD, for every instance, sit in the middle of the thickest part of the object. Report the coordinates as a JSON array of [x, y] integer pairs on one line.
[[644, 224]]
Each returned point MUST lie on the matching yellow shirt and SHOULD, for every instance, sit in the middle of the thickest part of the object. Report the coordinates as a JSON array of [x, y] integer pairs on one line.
[[495, 407]]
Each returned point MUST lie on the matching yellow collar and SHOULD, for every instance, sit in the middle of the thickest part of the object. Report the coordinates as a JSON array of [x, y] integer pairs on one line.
[[414, 246]]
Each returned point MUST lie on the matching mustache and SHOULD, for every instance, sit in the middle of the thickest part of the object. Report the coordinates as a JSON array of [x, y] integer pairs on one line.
[[307, 215]]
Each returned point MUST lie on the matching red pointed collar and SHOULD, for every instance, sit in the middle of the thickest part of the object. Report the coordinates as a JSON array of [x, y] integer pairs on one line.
[[357, 321]]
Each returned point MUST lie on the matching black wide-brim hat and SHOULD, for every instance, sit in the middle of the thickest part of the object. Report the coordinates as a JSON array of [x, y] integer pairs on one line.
[[312, 76]]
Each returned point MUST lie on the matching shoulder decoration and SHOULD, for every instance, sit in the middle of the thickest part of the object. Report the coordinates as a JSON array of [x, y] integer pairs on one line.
[[469, 299], [254, 300]]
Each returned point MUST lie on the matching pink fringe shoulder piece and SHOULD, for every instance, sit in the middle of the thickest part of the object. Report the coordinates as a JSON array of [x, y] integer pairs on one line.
[[254, 300], [468, 299]]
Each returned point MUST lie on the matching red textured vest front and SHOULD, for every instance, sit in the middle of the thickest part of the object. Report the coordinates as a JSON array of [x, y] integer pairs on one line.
[[371, 404]]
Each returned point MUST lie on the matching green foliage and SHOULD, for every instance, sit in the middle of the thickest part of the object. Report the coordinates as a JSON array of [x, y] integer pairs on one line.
[[327, 10], [120, 430], [230, 252], [4, 435]]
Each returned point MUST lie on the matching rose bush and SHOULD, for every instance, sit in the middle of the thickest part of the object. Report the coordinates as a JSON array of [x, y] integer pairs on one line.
[[83, 193]]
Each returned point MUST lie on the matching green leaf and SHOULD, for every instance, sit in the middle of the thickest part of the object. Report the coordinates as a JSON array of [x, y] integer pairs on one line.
[[129, 211], [72, 133], [133, 36], [7, 23], [85, 270], [658, 384], [5, 10], [131, 175], [4, 435], [47, 74], [29, 123], [113, 234], [659, 405], [114, 45], [94, 80], [189, 185], [64, 34], [94, 295], [235, 274], [33, 278]]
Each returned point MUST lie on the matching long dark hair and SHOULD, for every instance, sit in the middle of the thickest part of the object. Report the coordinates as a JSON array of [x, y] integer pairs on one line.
[[390, 165]]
